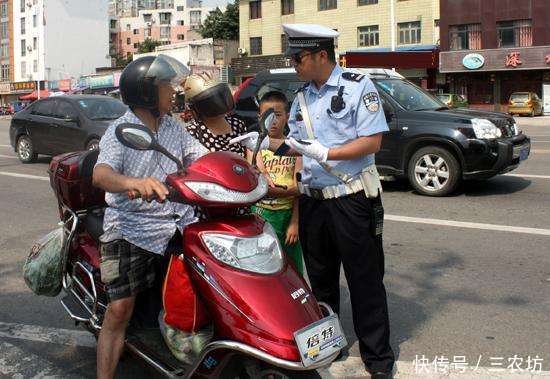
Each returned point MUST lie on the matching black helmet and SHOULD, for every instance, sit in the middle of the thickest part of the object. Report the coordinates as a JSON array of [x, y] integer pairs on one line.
[[140, 79], [207, 96]]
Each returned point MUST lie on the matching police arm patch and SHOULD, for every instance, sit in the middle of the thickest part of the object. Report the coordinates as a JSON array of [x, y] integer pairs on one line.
[[372, 102]]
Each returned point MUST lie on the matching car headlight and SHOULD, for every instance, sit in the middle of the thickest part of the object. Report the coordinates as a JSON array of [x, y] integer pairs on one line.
[[215, 192], [485, 129], [261, 253]]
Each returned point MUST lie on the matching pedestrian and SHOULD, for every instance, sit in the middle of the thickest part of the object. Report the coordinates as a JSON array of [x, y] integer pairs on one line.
[[336, 123], [280, 206]]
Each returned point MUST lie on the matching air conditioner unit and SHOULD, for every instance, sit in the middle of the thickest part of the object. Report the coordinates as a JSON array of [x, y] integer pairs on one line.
[[242, 51], [148, 24], [29, 48], [29, 4]]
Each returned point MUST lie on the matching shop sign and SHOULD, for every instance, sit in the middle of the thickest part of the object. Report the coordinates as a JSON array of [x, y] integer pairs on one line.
[[5, 88], [65, 85], [473, 61], [103, 81], [513, 60], [23, 86]]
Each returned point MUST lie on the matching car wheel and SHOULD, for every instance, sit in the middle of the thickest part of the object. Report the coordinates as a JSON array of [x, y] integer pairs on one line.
[[434, 171], [25, 150], [532, 114], [93, 144]]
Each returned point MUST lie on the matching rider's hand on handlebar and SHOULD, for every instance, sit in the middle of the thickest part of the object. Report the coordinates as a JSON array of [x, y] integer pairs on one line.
[[150, 188], [249, 140]]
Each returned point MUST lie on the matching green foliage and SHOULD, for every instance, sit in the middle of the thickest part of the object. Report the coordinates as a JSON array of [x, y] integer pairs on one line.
[[222, 25]]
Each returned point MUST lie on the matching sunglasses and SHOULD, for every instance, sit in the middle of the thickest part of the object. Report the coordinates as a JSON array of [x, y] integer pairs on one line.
[[298, 58]]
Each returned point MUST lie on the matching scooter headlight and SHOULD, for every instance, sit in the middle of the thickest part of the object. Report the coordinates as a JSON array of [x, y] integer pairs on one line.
[[261, 253], [215, 192]]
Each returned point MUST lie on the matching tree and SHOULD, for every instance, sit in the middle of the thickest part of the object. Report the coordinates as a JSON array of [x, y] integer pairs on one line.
[[222, 25], [148, 46]]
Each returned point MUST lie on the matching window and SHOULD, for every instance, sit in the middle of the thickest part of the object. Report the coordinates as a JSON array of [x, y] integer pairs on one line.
[[147, 32], [22, 6], [256, 46], [136, 45], [366, 2], [65, 110], [409, 32], [5, 72], [368, 35], [34, 21], [287, 7], [136, 31], [4, 9], [465, 37], [284, 43], [147, 17], [180, 23], [327, 4], [181, 37], [128, 41], [165, 18], [514, 33], [35, 66], [35, 43], [22, 25], [179, 8], [255, 9], [113, 24], [165, 32], [5, 50], [23, 48], [23, 69], [4, 29], [44, 108], [195, 17], [128, 27]]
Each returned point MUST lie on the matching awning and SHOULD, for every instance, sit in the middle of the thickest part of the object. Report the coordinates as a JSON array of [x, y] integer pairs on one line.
[[34, 95]]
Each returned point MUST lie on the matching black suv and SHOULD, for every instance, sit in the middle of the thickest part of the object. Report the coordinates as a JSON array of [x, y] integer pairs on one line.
[[433, 146]]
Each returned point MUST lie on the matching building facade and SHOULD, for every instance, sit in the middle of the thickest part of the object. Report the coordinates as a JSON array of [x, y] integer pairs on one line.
[[366, 25], [490, 49], [168, 21]]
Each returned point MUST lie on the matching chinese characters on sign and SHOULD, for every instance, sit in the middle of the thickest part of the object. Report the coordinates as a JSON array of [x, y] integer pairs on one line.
[[459, 364], [513, 60], [22, 86]]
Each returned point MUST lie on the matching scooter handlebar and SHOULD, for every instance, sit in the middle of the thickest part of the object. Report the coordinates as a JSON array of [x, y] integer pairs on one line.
[[134, 194]]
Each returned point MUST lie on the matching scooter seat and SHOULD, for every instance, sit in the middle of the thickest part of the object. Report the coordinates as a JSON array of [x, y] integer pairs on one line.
[[93, 223]]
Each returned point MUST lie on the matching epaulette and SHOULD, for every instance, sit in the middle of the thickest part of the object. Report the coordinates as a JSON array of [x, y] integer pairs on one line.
[[352, 76]]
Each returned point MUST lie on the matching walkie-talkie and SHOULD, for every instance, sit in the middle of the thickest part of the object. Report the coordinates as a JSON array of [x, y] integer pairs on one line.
[[337, 102]]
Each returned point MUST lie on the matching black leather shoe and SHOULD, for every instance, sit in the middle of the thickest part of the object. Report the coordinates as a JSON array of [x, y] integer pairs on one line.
[[381, 375]]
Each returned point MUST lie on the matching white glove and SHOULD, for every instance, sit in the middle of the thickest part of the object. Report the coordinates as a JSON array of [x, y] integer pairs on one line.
[[311, 148], [249, 140]]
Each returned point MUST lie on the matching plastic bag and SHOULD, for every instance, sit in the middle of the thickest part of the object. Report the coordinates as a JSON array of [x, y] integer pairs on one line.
[[185, 346], [43, 269]]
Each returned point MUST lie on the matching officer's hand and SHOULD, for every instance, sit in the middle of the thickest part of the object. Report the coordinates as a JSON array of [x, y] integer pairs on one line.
[[292, 234], [310, 148], [249, 140]]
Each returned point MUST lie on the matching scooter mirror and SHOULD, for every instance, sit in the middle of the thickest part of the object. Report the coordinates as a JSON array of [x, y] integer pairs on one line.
[[135, 136], [266, 121], [139, 137]]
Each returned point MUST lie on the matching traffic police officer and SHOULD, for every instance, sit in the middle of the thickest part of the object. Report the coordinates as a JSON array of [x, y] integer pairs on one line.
[[336, 123]]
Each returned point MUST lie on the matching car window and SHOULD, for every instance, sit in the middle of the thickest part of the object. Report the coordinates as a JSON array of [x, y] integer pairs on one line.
[[65, 110], [102, 108], [444, 98], [287, 87], [520, 96], [44, 108], [409, 96]]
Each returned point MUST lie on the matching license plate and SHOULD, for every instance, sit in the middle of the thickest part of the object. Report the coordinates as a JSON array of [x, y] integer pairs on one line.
[[524, 153], [320, 340]]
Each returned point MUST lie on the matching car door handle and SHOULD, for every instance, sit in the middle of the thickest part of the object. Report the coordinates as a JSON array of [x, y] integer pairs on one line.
[[54, 125]]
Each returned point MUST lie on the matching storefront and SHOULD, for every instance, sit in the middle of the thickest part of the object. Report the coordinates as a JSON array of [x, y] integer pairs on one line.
[[100, 84], [418, 64], [487, 78], [10, 93]]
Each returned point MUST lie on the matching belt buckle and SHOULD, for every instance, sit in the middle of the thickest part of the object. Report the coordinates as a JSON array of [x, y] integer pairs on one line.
[[316, 193]]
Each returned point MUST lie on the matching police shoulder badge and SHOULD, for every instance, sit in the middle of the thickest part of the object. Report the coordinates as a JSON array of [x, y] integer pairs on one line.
[[353, 76], [372, 102]]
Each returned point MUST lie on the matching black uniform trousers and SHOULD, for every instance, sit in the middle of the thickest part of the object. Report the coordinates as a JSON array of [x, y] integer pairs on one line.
[[339, 231]]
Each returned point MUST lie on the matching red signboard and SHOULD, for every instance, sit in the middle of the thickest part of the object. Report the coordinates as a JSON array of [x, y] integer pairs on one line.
[[513, 59]]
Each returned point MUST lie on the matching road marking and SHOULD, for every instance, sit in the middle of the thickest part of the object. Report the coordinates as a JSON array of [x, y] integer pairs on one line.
[[5, 145], [529, 176], [44, 334], [14, 174], [539, 151], [540, 141], [468, 225], [7, 156]]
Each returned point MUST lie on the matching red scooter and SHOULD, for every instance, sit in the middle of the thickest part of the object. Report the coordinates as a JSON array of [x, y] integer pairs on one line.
[[266, 322]]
